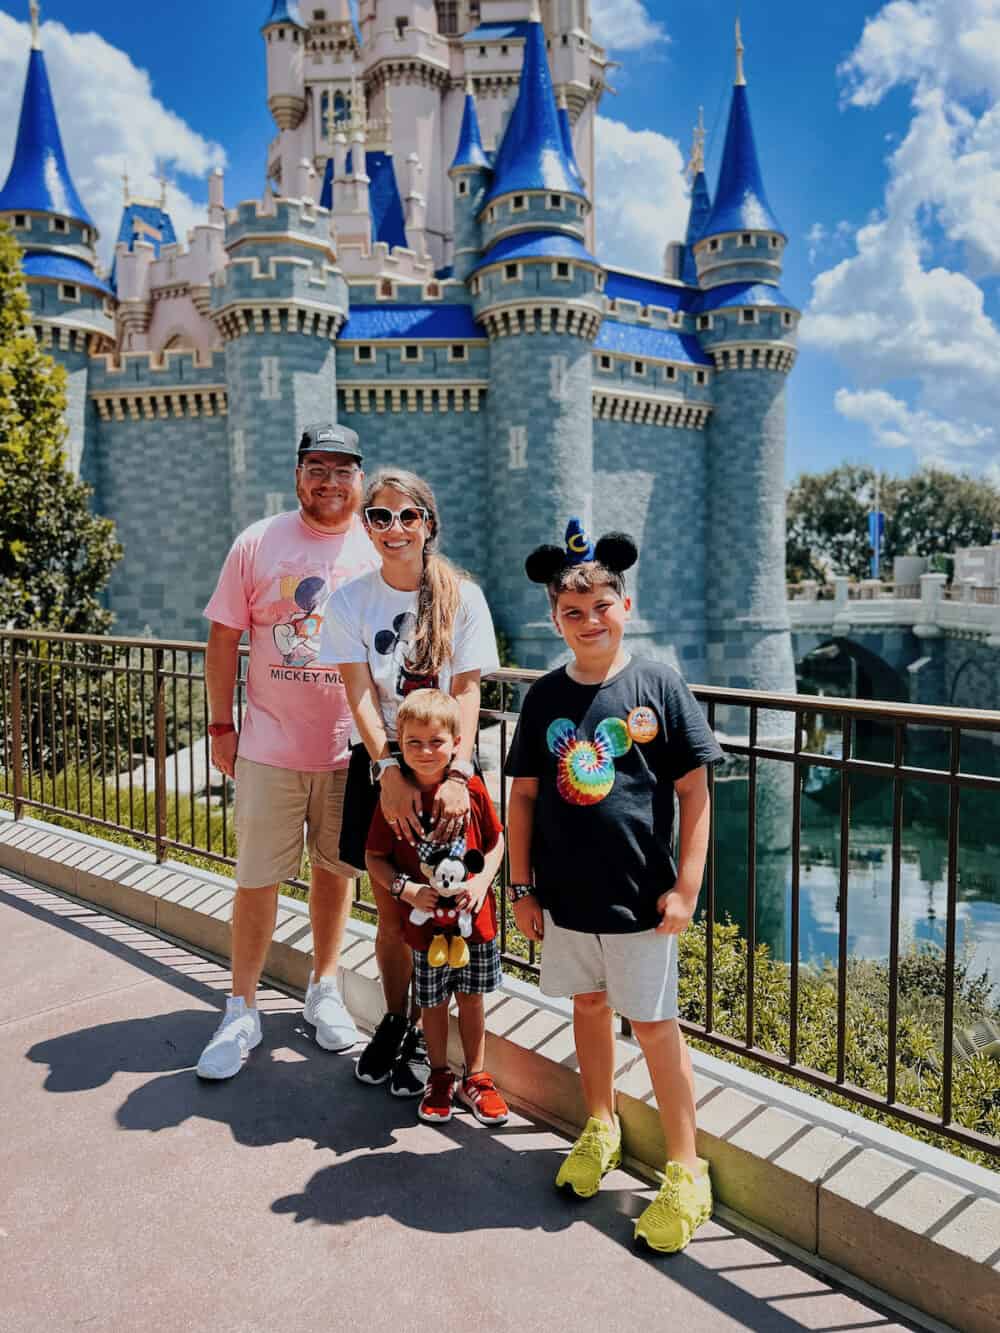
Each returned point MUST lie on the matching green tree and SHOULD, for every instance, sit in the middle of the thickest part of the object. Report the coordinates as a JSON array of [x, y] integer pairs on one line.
[[929, 513], [55, 555]]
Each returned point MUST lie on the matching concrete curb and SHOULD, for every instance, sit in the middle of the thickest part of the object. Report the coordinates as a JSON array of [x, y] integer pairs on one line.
[[916, 1223]]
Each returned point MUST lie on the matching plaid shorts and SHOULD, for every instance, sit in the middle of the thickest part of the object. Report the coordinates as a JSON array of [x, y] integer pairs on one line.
[[481, 974]]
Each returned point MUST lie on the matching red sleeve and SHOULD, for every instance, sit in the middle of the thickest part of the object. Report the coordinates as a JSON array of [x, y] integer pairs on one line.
[[381, 838], [485, 815]]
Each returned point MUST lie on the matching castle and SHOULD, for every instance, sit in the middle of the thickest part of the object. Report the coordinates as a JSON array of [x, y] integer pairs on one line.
[[421, 266]]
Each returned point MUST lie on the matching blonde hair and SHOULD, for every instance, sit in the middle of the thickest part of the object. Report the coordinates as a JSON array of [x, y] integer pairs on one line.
[[439, 596], [584, 578], [429, 708]]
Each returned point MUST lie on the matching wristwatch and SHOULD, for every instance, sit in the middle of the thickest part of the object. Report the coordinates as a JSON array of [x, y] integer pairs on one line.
[[519, 891], [461, 768], [397, 886], [379, 766]]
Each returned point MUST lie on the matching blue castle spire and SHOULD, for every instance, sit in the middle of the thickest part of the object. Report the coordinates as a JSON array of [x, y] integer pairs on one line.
[[532, 155], [39, 179], [283, 11], [701, 203], [567, 138], [740, 199], [470, 151]]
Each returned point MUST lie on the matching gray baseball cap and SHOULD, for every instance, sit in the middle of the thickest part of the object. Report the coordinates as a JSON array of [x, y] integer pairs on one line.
[[328, 438]]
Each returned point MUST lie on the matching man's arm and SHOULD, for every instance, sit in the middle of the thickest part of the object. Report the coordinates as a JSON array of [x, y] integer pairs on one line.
[[678, 904], [520, 822], [222, 658]]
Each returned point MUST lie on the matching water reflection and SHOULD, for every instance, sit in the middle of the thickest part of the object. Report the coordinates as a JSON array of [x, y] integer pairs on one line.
[[924, 846]]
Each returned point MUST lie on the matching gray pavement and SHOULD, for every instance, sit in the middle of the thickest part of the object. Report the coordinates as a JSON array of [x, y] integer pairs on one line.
[[134, 1197]]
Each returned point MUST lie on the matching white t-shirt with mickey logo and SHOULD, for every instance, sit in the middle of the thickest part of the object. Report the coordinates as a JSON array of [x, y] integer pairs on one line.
[[367, 621]]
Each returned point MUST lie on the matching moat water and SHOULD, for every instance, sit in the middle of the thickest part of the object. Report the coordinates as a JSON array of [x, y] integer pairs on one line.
[[924, 852]]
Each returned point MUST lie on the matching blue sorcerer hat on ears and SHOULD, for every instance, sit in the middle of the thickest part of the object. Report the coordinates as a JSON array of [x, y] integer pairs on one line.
[[616, 551]]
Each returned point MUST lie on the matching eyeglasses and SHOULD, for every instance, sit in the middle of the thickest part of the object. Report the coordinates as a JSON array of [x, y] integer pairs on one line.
[[317, 472], [382, 519]]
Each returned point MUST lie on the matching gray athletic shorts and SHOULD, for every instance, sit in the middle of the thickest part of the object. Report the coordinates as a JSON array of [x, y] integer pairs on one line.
[[638, 971]]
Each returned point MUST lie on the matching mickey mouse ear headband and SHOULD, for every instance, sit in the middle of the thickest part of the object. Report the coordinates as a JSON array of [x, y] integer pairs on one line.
[[616, 551]]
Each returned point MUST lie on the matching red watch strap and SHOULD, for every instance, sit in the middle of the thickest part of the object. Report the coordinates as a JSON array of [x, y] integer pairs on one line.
[[220, 728]]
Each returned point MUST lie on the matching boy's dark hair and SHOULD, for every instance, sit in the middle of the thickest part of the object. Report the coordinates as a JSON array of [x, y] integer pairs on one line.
[[584, 578]]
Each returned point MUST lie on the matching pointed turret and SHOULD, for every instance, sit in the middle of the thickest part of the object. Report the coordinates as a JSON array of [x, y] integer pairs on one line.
[[532, 155], [701, 202], [740, 200], [39, 179], [470, 153], [284, 11]]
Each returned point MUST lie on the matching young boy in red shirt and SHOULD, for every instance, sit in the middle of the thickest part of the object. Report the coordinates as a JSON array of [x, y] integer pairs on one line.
[[429, 724]]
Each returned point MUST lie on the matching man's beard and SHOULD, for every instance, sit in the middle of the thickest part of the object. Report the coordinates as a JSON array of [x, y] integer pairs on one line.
[[326, 511]]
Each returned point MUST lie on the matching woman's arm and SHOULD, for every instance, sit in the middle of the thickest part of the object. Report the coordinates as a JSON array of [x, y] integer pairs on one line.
[[478, 886], [400, 798], [451, 806], [520, 822]]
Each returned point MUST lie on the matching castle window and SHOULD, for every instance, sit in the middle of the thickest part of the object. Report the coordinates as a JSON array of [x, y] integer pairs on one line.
[[638, 367], [475, 286], [402, 23], [20, 221], [604, 362], [748, 316], [463, 186], [319, 15], [504, 49], [786, 318], [599, 282], [411, 352], [562, 269], [518, 204], [775, 242], [281, 34], [482, 50], [713, 245], [669, 372], [580, 208], [555, 201], [511, 272], [69, 291], [447, 16], [746, 239], [699, 377], [385, 288], [704, 322], [364, 353], [458, 352], [612, 306], [432, 291], [59, 224]]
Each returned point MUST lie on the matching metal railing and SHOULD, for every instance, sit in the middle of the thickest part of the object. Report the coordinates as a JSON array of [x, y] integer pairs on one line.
[[111, 732]]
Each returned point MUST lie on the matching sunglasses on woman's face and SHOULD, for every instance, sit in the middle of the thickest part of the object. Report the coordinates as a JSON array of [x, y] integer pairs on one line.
[[381, 519]]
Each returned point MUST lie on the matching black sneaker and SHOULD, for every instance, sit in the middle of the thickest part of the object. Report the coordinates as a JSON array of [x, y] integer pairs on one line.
[[412, 1068], [377, 1059]]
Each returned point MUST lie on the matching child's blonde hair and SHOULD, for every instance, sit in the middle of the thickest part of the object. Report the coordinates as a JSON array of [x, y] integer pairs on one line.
[[431, 708]]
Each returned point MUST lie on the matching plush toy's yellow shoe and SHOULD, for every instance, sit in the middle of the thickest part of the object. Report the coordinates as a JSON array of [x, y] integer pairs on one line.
[[458, 952], [437, 954]]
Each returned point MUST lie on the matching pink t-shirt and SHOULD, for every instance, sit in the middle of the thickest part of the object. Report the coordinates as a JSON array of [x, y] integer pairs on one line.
[[275, 583]]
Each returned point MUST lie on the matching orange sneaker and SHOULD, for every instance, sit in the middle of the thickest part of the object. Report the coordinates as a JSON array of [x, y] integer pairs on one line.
[[436, 1103], [480, 1094]]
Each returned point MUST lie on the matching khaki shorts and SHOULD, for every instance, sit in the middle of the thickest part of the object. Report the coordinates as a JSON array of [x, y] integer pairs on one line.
[[273, 806]]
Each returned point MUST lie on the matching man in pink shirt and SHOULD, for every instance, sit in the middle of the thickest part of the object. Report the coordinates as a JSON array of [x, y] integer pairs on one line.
[[290, 759]]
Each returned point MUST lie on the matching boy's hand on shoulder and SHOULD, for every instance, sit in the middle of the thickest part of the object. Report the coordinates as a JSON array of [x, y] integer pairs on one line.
[[676, 907], [528, 915], [420, 895]]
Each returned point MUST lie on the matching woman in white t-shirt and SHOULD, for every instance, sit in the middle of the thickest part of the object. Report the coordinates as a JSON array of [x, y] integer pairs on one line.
[[416, 622]]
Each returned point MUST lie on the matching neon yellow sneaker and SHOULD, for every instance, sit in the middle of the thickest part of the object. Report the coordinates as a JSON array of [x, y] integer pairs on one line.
[[597, 1151], [682, 1205]]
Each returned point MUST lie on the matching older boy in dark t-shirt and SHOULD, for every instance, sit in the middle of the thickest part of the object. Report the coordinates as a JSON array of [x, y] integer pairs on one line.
[[601, 748]]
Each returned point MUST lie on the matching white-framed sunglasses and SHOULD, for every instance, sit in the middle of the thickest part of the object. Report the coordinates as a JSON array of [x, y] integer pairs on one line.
[[381, 518]]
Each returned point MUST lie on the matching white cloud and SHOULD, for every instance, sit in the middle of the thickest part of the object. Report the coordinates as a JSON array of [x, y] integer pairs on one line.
[[109, 118], [625, 25], [643, 197], [893, 311]]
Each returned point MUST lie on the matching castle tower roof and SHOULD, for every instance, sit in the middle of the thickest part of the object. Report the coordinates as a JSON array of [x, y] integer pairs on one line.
[[284, 11], [39, 179], [701, 203], [532, 154], [470, 151], [740, 199], [566, 128]]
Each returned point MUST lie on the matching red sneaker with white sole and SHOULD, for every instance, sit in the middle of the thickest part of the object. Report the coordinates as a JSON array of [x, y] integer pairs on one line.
[[436, 1103], [480, 1094]]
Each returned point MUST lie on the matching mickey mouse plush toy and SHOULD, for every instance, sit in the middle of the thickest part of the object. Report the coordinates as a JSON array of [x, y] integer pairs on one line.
[[446, 869]]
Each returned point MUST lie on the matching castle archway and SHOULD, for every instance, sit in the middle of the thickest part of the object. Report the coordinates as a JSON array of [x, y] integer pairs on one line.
[[850, 668]]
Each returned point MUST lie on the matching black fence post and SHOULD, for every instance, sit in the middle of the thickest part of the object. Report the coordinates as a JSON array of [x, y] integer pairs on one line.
[[159, 753], [16, 728]]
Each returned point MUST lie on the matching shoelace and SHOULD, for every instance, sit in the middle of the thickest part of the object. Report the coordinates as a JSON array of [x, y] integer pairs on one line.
[[667, 1203], [589, 1145], [228, 1020]]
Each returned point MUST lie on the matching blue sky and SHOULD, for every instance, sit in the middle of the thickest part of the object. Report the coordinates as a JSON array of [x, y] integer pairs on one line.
[[878, 127]]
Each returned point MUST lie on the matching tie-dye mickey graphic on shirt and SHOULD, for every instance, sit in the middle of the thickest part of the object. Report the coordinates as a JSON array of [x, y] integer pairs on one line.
[[585, 769]]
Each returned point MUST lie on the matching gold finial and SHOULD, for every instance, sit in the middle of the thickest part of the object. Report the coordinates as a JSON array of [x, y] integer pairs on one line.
[[697, 162], [468, 86], [163, 193], [125, 188], [36, 42], [740, 76]]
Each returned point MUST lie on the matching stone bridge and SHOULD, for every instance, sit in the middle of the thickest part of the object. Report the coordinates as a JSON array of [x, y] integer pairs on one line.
[[928, 648]]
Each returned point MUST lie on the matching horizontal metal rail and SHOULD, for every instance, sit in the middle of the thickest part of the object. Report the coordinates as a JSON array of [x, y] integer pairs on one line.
[[111, 732]]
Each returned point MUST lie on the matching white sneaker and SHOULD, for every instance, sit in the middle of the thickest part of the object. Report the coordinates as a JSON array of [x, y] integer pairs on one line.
[[234, 1039], [326, 1010]]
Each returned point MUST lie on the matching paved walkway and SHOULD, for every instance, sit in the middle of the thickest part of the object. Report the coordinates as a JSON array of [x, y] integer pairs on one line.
[[133, 1197]]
